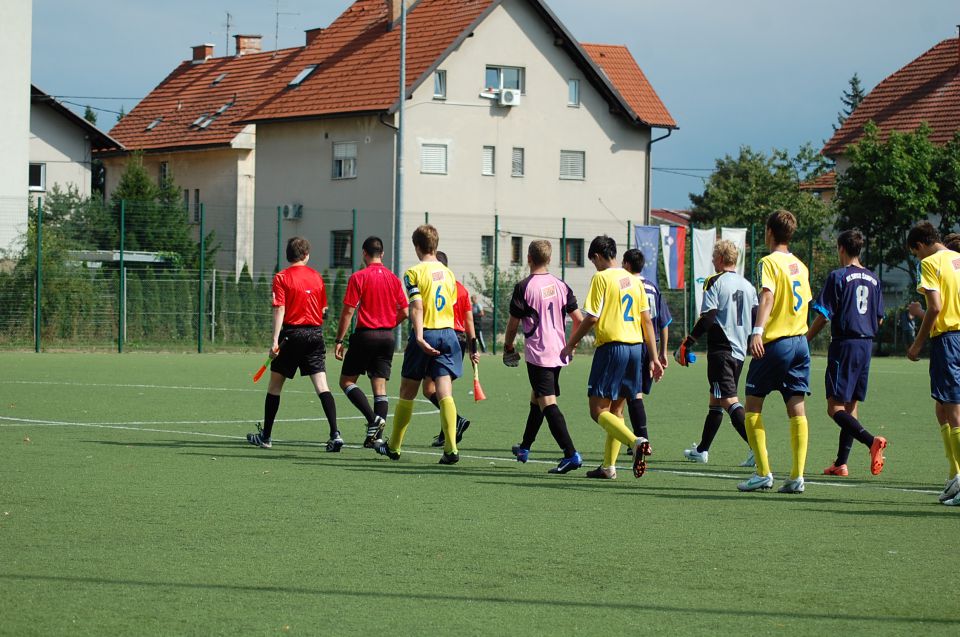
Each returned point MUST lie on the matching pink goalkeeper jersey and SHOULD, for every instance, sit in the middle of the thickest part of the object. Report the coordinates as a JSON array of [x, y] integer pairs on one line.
[[542, 302]]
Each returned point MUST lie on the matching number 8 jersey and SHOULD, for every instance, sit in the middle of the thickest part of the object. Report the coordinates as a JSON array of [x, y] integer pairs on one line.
[[788, 278], [434, 285], [851, 301], [617, 300]]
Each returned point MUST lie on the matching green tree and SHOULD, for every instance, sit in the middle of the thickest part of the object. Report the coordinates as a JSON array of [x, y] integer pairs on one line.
[[946, 170], [122, 113], [851, 99], [90, 115], [888, 187]]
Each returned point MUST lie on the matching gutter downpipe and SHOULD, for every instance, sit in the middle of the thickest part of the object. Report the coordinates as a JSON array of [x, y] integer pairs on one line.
[[646, 212]]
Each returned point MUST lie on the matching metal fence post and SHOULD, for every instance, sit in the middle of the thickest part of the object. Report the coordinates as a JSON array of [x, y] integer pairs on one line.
[[753, 250], [213, 306], [353, 242], [426, 217], [121, 324], [200, 304], [279, 239], [563, 251], [628, 234], [39, 275], [496, 277]]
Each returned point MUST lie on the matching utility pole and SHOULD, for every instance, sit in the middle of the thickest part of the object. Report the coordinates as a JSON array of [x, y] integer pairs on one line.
[[398, 197], [229, 23]]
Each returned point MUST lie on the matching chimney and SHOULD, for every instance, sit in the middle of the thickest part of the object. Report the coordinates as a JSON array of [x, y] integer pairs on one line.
[[247, 44], [393, 10], [313, 34], [202, 53]]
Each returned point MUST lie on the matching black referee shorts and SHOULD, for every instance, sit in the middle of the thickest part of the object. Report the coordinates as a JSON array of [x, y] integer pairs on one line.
[[723, 373], [370, 353], [301, 346], [462, 341], [545, 381]]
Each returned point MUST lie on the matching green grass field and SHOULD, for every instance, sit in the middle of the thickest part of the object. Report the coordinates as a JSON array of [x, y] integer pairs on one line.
[[130, 504]]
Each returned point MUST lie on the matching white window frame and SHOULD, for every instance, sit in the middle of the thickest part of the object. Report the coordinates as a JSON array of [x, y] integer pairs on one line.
[[500, 69], [345, 165], [42, 187], [571, 176], [573, 90], [518, 152], [443, 155], [440, 85], [488, 167]]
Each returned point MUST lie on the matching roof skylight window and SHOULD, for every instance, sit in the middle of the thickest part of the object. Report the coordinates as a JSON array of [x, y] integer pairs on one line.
[[154, 123], [208, 121], [302, 75], [218, 80], [224, 108], [197, 121]]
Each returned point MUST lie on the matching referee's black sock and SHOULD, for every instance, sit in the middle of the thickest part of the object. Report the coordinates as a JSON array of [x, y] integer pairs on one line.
[[534, 421], [330, 411], [638, 417], [843, 448], [711, 425], [359, 400], [270, 406], [433, 399], [381, 406], [852, 426], [738, 419], [558, 427]]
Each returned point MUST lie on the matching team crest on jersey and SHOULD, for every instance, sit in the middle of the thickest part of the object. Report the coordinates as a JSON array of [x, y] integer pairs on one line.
[[438, 275], [794, 269], [956, 264], [625, 282], [548, 292]]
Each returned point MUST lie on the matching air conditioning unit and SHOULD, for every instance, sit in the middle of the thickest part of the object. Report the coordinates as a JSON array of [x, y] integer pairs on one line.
[[509, 97], [293, 211]]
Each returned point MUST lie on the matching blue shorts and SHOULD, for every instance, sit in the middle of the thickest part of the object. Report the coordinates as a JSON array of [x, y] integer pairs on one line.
[[617, 371], [785, 367], [848, 365], [417, 364], [646, 380], [945, 368]]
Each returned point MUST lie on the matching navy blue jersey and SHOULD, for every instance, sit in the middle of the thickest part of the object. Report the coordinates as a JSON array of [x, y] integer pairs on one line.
[[659, 311], [852, 302]]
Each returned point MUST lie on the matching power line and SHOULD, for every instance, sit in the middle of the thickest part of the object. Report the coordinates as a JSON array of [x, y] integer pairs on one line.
[[93, 97]]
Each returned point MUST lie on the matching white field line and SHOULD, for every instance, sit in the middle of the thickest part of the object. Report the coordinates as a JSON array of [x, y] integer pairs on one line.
[[334, 390], [23, 422]]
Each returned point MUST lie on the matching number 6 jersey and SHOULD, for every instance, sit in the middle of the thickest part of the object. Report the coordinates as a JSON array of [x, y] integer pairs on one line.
[[434, 285], [852, 302], [788, 278]]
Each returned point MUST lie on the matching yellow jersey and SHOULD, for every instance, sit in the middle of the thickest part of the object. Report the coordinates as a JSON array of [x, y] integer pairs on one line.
[[617, 300], [940, 272], [788, 278], [434, 285]]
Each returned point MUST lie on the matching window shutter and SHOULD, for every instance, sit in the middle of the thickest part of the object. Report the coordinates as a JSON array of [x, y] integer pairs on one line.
[[572, 164], [516, 169], [489, 160], [345, 151], [433, 159]]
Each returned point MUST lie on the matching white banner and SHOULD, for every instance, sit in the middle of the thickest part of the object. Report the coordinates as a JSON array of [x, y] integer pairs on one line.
[[703, 241], [739, 238]]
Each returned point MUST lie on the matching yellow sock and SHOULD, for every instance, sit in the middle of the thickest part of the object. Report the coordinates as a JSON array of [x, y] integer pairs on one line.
[[757, 437], [798, 444], [611, 449], [448, 423], [953, 462], [955, 443], [401, 418], [616, 428]]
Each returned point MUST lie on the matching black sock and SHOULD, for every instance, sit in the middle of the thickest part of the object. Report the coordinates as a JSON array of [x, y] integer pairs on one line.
[[711, 425], [843, 448], [433, 399], [534, 420], [558, 427], [270, 406], [853, 427], [381, 406], [359, 400], [330, 411], [638, 417], [738, 420]]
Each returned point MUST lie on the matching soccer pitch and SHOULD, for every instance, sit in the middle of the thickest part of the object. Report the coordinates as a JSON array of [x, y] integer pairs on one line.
[[130, 503]]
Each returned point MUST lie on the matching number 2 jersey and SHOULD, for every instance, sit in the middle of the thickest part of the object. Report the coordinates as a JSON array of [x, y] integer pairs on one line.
[[434, 285], [617, 300], [789, 280], [542, 302], [852, 302]]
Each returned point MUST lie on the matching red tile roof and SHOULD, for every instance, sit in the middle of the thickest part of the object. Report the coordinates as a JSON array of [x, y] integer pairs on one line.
[[627, 78], [188, 92], [826, 181], [675, 217], [925, 90]]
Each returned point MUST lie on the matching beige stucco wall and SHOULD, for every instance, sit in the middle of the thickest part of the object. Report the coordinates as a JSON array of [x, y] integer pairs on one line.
[[226, 186], [463, 202], [16, 18], [295, 164], [63, 148]]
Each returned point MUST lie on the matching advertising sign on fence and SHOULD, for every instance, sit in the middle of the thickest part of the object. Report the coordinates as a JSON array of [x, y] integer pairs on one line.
[[703, 241]]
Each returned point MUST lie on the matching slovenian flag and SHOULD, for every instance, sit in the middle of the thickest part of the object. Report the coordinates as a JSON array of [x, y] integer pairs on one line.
[[673, 241]]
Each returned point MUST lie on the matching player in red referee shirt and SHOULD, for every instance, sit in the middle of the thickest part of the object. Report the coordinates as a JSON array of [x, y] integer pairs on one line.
[[466, 337], [299, 301], [376, 295]]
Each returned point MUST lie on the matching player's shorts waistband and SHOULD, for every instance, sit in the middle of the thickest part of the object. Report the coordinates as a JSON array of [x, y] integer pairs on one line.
[[784, 338], [951, 333], [373, 329], [840, 339], [293, 326]]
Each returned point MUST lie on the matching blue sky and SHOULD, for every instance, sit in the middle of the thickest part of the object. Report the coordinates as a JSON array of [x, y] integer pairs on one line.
[[764, 73]]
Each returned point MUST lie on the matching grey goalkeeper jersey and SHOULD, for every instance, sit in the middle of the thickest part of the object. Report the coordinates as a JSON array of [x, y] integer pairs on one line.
[[733, 297]]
